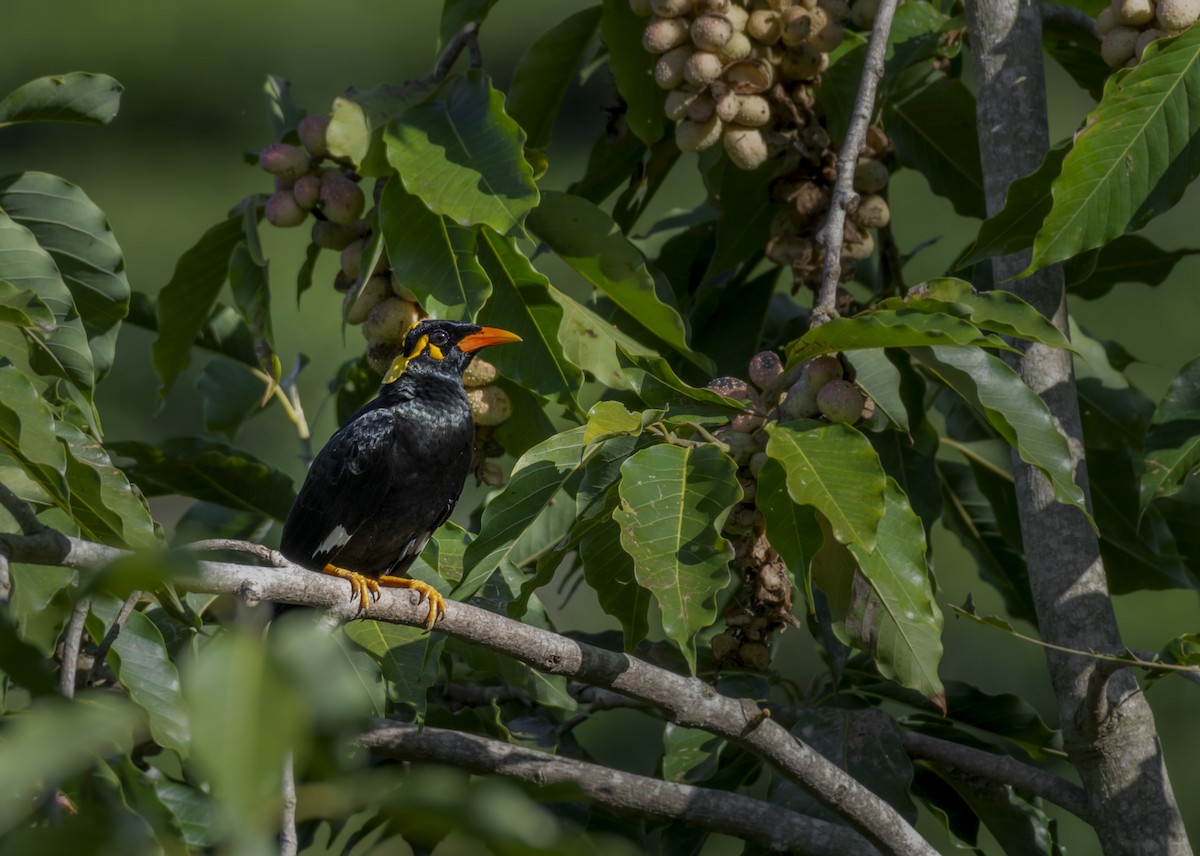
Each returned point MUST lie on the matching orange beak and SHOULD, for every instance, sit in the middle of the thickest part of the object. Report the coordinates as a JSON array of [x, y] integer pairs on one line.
[[486, 336]]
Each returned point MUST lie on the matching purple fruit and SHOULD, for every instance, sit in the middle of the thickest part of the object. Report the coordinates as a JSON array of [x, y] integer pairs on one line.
[[283, 160], [841, 401], [312, 133], [283, 211]]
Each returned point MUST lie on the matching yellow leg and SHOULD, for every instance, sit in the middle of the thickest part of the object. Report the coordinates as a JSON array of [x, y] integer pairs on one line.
[[437, 604], [364, 588]]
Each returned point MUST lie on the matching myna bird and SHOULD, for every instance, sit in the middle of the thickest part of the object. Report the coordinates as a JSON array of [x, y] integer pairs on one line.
[[393, 473]]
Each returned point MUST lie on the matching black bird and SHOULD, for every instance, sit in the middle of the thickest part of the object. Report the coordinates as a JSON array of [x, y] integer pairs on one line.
[[393, 473]]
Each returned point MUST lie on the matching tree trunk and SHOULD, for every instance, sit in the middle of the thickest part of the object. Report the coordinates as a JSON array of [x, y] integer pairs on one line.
[[1107, 725]]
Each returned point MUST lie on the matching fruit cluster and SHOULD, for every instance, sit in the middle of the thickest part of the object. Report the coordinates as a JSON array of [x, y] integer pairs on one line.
[[744, 74], [1127, 26], [765, 604], [308, 181]]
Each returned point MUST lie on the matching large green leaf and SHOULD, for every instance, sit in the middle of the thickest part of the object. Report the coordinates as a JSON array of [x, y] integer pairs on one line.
[[69, 226], [891, 613], [879, 378], [834, 469], [546, 71], [690, 755], [27, 265], [224, 332], [186, 302], [463, 156], [57, 739], [431, 257], [592, 344], [230, 393], [1012, 408], [210, 471], [23, 308], [890, 328], [408, 656], [1026, 205], [522, 302], [747, 209], [674, 500], [249, 281], [140, 659], [933, 131], [998, 311], [588, 240], [27, 434], [791, 528], [357, 123], [536, 478], [1134, 158], [633, 67], [1129, 258], [1173, 442], [609, 571], [79, 96]]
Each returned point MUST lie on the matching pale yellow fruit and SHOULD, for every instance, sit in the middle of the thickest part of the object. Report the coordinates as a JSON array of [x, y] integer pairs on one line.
[[738, 47], [1116, 48], [1106, 20], [746, 147], [662, 34], [754, 111], [701, 108], [1176, 15], [351, 259], [870, 175], [479, 373], [668, 71], [860, 250], [1144, 41], [738, 15], [827, 32], [490, 405], [697, 136], [390, 319], [670, 8], [797, 24], [862, 13], [376, 290], [677, 103], [727, 106], [872, 212], [765, 26], [711, 32], [702, 68], [1134, 13]]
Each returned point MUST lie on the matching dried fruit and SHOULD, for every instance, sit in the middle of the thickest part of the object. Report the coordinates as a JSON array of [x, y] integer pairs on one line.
[[862, 13], [479, 373], [746, 147], [489, 473], [374, 291], [490, 405], [380, 354], [870, 175], [872, 212], [697, 136]]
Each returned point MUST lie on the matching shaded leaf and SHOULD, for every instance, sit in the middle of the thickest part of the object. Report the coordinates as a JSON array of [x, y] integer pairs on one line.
[[690, 755], [357, 123], [1135, 156], [876, 375], [592, 344], [458, 13], [224, 332], [23, 308], [432, 258], [791, 528], [69, 226], [249, 281], [408, 656], [209, 471], [889, 328], [463, 156], [78, 96], [744, 226], [609, 571], [674, 501], [1078, 52], [1011, 408], [834, 469], [545, 73], [230, 393], [1173, 441], [633, 68], [1129, 258]]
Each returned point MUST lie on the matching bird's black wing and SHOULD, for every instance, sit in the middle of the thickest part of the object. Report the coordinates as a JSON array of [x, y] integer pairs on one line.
[[342, 490]]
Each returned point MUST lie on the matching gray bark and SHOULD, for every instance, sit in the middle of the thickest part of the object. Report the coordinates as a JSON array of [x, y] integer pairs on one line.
[[1107, 725]]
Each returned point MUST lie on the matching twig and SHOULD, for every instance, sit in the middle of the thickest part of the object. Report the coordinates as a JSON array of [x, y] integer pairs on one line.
[[288, 841], [72, 640], [20, 511], [467, 37], [629, 794], [685, 701], [232, 545], [292, 393], [1003, 769], [1060, 13], [111, 636], [843, 188]]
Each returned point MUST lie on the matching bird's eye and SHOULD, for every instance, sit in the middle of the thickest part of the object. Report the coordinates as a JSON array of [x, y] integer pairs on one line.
[[439, 337]]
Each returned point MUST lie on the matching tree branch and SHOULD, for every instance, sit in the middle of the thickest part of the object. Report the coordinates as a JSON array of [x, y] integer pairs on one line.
[[288, 841], [852, 146], [111, 636], [685, 701], [72, 641], [20, 512], [467, 38], [1118, 754], [1061, 13], [622, 793]]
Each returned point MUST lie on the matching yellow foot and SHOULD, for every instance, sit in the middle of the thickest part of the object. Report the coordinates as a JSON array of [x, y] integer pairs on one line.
[[437, 604], [361, 587]]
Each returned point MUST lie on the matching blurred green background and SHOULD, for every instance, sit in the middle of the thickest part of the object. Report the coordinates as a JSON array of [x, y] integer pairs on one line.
[[172, 164]]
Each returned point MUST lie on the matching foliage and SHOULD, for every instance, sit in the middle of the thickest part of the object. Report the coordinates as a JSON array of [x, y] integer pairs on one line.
[[672, 498]]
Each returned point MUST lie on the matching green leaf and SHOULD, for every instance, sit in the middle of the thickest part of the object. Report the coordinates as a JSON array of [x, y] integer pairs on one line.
[[1115, 414], [998, 311], [245, 718], [458, 13], [633, 67], [1025, 208], [690, 755], [747, 210], [546, 71], [588, 240], [230, 393], [791, 528], [210, 471], [23, 663], [283, 111], [657, 384], [140, 659], [535, 479], [892, 614], [933, 131], [609, 572], [834, 469], [1173, 441], [186, 302], [1134, 157], [27, 434], [610, 419], [464, 157], [522, 302], [249, 281], [591, 344], [409, 657], [1129, 258], [357, 123], [987, 384], [432, 257], [26, 264], [879, 378], [69, 226], [23, 308], [889, 328], [674, 501], [91, 99], [57, 739]]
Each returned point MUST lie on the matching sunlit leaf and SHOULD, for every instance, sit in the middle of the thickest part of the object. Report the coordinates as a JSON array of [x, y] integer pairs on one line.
[[92, 99], [674, 500]]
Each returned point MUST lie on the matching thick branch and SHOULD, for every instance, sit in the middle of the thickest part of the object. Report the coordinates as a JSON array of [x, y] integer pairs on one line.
[[622, 793], [1108, 728], [685, 701], [852, 146]]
